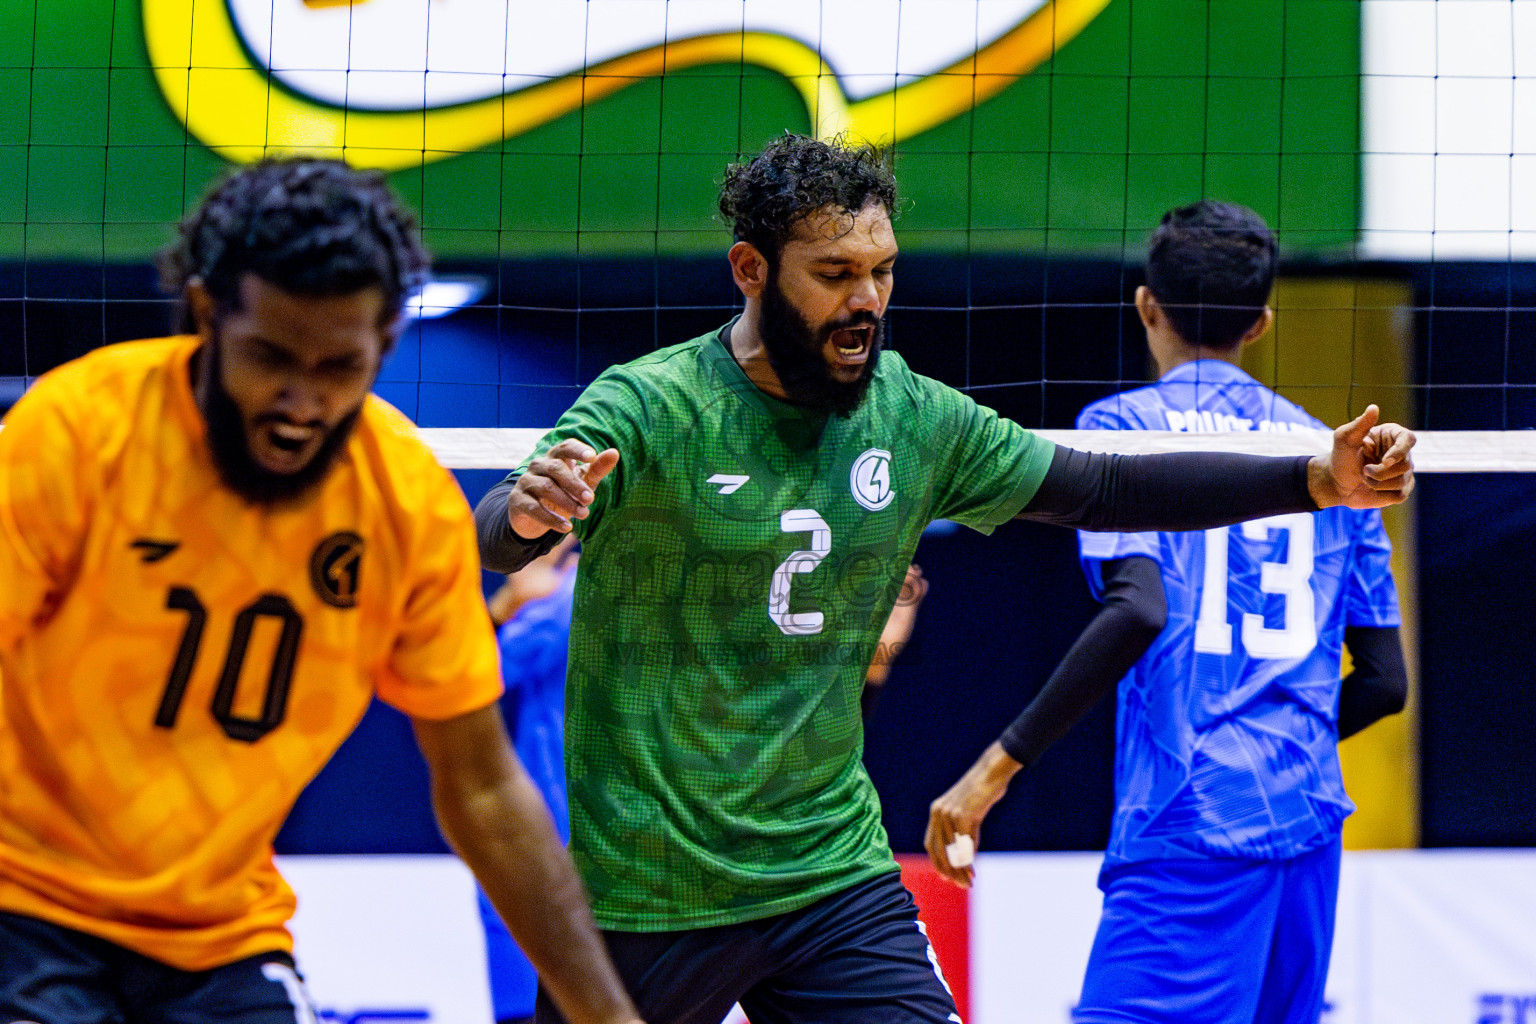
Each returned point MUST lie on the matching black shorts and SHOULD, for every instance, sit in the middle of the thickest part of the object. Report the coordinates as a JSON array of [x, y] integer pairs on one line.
[[854, 957], [53, 975]]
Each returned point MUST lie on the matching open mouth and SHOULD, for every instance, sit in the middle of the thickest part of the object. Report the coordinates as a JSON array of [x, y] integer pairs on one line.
[[283, 447], [851, 344], [288, 437]]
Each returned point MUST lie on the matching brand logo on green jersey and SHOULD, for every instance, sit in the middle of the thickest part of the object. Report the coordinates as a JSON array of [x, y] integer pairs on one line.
[[870, 479], [729, 483]]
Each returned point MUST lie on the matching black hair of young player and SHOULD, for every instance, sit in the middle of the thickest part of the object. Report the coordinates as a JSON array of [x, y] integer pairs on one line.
[[1211, 265], [308, 227], [764, 198]]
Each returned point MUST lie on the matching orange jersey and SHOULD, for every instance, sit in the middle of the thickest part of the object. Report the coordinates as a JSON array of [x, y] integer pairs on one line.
[[177, 663]]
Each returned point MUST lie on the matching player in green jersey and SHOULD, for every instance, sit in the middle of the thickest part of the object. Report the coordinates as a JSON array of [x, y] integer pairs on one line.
[[748, 503]]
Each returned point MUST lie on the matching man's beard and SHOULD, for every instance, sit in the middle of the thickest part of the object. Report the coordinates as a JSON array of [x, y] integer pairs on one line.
[[795, 351], [240, 472]]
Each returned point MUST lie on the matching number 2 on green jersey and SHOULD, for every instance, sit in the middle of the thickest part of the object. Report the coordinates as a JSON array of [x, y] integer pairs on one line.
[[1291, 578], [798, 520]]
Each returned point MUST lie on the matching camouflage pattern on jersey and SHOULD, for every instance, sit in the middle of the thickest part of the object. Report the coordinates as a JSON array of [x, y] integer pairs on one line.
[[738, 566]]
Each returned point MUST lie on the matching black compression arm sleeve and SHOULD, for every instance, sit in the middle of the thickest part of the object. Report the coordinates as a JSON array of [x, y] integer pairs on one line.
[[1134, 612], [1173, 491], [1378, 685], [501, 549]]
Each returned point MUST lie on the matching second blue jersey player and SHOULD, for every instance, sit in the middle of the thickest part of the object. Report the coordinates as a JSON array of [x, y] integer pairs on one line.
[[1221, 875]]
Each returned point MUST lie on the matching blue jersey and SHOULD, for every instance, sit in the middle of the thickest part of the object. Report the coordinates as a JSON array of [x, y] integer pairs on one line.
[[1227, 734], [534, 649], [534, 643]]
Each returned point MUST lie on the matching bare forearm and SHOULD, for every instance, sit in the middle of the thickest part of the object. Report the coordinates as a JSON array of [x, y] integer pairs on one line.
[[506, 837]]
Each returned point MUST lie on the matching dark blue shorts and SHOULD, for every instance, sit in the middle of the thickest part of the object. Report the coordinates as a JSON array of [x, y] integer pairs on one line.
[[1213, 941], [854, 957], [52, 975]]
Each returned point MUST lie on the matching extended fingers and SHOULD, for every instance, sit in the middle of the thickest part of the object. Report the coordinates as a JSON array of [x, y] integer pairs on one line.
[[571, 450], [1354, 432], [537, 505], [1394, 466], [1395, 442], [561, 481], [600, 466]]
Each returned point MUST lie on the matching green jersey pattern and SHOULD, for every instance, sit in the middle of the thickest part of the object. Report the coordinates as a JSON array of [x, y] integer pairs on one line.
[[738, 566]]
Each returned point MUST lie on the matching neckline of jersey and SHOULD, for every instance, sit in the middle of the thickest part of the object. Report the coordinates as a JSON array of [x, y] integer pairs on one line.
[[1199, 371], [737, 381]]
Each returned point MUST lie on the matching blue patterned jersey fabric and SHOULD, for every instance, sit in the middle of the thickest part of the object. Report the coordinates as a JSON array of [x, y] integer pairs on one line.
[[1227, 726], [534, 643]]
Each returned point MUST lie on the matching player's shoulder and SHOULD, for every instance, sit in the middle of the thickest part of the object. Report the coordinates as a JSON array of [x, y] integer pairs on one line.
[[1136, 409], [95, 397], [113, 372], [894, 378], [1283, 410], [661, 379], [671, 364], [398, 459], [922, 405], [396, 437]]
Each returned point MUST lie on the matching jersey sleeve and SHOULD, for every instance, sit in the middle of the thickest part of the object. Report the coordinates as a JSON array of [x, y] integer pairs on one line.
[[47, 495], [989, 467], [611, 413], [444, 661], [1370, 597], [1096, 548]]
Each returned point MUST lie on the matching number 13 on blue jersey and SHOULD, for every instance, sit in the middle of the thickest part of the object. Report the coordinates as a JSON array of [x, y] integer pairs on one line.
[[1291, 578]]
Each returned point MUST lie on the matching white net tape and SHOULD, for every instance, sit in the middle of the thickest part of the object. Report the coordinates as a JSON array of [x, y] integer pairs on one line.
[[1438, 451]]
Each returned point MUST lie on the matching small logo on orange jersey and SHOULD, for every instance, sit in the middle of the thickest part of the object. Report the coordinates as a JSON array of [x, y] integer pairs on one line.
[[334, 569], [154, 550]]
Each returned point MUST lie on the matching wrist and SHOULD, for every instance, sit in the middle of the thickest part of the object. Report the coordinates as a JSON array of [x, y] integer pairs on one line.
[[1320, 484], [997, 767]]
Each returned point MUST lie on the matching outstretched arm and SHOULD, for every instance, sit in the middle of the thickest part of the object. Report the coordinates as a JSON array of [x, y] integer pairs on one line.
[[1369, 466], [1134, 613], [493, 816]]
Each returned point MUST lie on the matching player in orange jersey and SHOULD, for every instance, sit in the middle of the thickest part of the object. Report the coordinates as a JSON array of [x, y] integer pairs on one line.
[[216, 549]]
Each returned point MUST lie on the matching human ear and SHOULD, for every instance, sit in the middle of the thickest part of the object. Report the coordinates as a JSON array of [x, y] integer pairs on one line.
[[749, 269]]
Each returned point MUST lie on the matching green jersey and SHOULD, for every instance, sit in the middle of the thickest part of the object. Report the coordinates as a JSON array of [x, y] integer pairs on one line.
[[737, 569]]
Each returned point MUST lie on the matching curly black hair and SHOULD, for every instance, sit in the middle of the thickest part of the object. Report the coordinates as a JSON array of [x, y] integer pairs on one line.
[[765, 197], [310, 227], [1211, 265]]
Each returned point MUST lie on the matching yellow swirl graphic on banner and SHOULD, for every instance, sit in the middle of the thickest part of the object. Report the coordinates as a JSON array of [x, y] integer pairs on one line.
[[237, 109]]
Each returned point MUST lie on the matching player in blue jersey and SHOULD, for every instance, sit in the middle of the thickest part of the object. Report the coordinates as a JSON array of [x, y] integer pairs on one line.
[[1222, 869]]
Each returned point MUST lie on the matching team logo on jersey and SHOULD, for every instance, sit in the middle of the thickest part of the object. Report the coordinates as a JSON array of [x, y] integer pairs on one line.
[[151, 550], [870, 479], [334, 569]]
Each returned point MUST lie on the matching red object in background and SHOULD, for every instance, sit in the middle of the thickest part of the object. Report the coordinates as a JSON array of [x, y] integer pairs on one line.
[[945, 909]]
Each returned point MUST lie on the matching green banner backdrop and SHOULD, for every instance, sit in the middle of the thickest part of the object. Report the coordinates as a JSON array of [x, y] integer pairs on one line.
[[1130, 107]]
